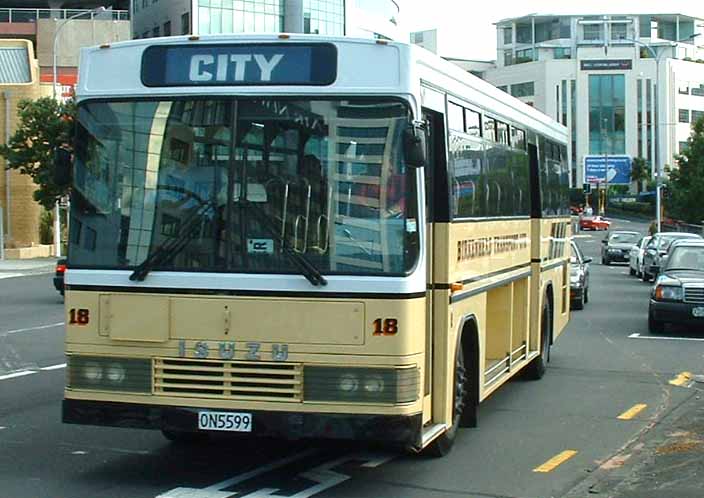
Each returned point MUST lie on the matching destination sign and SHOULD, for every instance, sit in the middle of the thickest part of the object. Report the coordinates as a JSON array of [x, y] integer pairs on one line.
[[241, 64]]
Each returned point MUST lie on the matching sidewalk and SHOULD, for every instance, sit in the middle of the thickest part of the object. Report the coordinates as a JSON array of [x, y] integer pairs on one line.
[[20, 267], [667, 462]]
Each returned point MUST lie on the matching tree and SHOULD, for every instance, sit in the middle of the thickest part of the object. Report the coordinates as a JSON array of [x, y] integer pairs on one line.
[[639, 172], [686, 185], [44, 124]]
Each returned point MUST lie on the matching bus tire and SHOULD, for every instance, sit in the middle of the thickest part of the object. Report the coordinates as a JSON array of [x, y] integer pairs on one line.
[[442, 445], [536, 369], [183, 437]]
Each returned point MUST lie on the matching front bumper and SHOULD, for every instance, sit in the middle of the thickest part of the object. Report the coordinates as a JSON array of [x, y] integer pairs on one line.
[[618, 256], [675, 313], [576, 292], [397, 429]]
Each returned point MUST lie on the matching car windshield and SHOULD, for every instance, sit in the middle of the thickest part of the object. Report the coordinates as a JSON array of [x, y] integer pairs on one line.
[[238, 184], [686, 258], [623, 238]]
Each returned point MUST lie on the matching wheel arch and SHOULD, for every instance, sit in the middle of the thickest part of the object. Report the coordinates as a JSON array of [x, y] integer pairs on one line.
[[468, 340]]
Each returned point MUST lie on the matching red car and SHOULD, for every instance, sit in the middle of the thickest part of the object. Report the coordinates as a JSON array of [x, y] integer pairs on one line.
[[594, 223]]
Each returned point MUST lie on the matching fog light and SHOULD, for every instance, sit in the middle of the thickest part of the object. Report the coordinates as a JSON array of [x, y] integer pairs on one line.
[[348, 383], [374, 384], [115, 373], [92, 372]]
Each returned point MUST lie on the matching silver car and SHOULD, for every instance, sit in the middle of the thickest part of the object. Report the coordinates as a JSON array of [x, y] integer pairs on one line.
[[635, 258]]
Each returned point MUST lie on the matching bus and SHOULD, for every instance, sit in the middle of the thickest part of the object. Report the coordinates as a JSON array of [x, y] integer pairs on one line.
[[300, 236]]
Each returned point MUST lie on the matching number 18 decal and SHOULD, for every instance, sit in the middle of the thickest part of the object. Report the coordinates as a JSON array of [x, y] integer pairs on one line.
[[79, 316], [385, 326]]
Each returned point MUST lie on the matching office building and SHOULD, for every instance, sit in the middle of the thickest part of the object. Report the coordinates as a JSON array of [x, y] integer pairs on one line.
[[628, 85], [362, 18]]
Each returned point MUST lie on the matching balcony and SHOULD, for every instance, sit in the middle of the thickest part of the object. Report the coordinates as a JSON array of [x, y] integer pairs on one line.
[[33, 15]]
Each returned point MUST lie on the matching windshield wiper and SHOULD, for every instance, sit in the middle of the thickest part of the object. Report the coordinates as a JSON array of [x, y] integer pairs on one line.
[[307, 268], [172, 247]]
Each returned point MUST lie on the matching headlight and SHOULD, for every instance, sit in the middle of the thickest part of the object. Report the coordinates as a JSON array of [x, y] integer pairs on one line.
[[92, 372], [575, 277], [668, 293], [348, 383], [109, 374], [361, 385], [612, 249]]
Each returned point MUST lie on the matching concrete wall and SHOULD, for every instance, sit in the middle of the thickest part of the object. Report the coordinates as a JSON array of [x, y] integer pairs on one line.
[[74, 35], [23, 228]]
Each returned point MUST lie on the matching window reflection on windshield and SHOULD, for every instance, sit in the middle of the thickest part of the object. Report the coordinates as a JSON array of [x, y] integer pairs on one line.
[[687, 258], [240, 180]]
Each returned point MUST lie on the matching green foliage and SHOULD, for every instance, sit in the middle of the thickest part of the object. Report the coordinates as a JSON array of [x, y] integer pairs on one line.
[[44, 124], [686, 185], [46, 227]]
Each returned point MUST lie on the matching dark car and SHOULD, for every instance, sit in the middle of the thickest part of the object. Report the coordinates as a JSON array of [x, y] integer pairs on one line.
[[678, 294], [59, 276], [617, 246], [579, 278], [657, 248]]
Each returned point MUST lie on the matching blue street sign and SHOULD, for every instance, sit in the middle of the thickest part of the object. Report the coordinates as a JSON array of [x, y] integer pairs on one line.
[[619, 170]]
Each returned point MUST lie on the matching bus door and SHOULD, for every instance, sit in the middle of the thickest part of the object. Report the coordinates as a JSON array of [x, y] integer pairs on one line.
[[435, 163]]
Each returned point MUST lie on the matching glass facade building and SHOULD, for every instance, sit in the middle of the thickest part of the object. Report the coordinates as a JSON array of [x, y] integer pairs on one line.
[[324, 17], [607, 114], [240, 16]]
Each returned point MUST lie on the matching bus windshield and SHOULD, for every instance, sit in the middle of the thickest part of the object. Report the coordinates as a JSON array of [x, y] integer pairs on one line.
[[238, 184]]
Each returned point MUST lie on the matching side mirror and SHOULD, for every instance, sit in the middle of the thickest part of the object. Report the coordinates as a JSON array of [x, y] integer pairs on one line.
[[62, 167], [414, 145], [604, 241]]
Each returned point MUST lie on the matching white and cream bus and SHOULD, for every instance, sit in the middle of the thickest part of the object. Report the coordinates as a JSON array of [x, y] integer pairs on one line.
[[306, 237]]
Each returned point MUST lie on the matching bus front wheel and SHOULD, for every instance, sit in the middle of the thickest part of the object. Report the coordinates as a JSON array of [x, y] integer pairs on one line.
[[443, 444]]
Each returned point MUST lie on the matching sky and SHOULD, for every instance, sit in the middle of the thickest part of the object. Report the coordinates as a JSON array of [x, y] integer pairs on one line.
[[466, 27]]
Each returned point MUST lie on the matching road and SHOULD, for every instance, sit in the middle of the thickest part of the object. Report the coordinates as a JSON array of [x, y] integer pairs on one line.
[[602, 366]]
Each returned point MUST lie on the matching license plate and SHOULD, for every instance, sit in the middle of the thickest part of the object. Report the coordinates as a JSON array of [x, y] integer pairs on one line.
[[698, 311], [225, 421]]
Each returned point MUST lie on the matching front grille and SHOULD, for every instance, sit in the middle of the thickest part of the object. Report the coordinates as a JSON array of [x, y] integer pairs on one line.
[[694, 295], [235, 380]]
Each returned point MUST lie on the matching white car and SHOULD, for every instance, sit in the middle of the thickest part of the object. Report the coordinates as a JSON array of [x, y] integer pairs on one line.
[[635, 258]]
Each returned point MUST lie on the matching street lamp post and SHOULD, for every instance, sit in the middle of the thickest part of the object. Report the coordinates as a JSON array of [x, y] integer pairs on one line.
[[656, 116], [54, 79], [57, 208]]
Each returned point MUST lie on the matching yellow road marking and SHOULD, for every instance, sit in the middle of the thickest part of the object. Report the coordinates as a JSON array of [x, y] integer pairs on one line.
[[555, 461], [681, 379], [632, 412]]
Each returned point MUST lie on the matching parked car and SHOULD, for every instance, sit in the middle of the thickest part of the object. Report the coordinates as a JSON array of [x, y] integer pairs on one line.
[[657, 248], [59, 276], [678, 294], [594, 223], [579, 277], [635, 258], [617, 246]]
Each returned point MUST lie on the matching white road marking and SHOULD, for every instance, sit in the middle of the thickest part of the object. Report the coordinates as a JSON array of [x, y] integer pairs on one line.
[[215, 491], [323, 476], [14, 375], [661, 338], [9, 275], [53, 367], [23, 373], [29, 329]]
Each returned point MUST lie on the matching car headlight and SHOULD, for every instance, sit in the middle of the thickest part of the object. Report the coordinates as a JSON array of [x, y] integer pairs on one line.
[[668, 293], [361, 385], [613, 249], [110, 374]]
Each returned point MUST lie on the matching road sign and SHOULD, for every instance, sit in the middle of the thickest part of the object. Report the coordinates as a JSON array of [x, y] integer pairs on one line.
[[619, 170]]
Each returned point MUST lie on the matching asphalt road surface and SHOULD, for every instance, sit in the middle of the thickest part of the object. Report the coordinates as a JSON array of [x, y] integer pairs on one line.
[[535, 439]]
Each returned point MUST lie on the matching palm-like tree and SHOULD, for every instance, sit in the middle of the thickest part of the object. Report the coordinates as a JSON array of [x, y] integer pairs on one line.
[[639, 172]]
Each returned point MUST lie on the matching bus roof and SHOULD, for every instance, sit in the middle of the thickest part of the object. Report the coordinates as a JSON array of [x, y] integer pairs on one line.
[[364, 67]]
